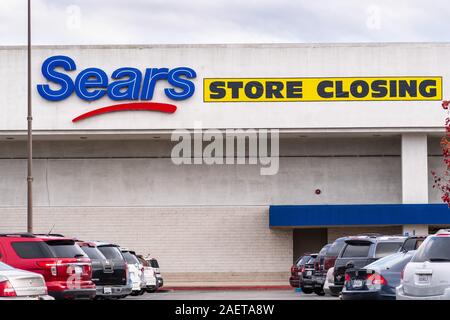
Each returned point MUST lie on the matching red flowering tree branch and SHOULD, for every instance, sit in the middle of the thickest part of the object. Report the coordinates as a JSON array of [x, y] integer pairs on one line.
[[442, 182]]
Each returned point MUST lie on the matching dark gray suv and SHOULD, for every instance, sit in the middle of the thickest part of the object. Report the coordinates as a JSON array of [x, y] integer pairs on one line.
[[360, 251]]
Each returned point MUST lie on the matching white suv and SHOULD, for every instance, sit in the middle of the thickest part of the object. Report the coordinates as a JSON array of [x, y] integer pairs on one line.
[[427, 276]]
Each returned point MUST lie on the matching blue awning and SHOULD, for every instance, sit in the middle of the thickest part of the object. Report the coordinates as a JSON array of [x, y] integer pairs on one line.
[[358, 215]]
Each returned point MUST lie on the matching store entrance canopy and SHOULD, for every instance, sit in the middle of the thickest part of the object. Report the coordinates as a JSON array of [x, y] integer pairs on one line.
[[357, 215]]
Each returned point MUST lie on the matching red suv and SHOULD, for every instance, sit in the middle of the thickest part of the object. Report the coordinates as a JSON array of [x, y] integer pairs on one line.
[[66, 268]]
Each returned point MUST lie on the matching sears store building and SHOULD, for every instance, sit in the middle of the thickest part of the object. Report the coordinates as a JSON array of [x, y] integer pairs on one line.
[[359, 131]]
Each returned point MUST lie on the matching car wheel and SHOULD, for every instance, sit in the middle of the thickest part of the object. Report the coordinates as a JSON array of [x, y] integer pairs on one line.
[[335, 294], [319, 292], [307, 291]]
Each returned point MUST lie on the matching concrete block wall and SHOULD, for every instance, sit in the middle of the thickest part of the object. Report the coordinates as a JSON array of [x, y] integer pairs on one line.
[[204, 223], [222, 244]]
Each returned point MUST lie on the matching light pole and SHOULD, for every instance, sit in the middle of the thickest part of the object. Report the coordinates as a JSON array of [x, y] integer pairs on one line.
[[30, 134]]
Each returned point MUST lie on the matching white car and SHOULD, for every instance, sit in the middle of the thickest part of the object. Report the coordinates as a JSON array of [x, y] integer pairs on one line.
[[427, 276], [18, 284], [135, 272], [151, 283], [329, 280], [155, 265], [151, 280]]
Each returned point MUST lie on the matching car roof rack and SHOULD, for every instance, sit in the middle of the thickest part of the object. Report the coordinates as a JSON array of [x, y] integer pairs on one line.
[[370, 234], [50, 235], [416, 236], [18, 235]]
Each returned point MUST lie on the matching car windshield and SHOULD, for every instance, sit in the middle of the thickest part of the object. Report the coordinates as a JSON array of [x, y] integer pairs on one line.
[[356, 250], [412, 244], [310, 260], [387, 248], [434, 249], [335, 248], [5, 267], [32, 250], [93, 253], [111, 252], [323, 251], [129, 257], [143, 262], [303, 260], [392, 261], [154, 263], [65, 249]]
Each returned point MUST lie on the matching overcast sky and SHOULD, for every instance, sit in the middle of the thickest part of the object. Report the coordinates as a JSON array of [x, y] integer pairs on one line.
[[224, 21]]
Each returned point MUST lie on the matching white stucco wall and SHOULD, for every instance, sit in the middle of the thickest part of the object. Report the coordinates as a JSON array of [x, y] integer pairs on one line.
[[136, 173], [325, 60]]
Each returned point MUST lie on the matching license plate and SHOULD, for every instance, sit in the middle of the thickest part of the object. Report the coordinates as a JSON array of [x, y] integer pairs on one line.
[[308, 273], [107, 290], [357, 283], [423, 278]]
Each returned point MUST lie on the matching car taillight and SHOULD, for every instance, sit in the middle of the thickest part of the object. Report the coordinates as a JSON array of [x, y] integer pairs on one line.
[[6, 289], [375, 280], [303, 269], [347, 277], [49, 266], [294, 270], [328, 263], [88, 270]]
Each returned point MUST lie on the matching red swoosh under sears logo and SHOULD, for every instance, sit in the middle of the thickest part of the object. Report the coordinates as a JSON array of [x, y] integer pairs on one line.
[[132, 106]]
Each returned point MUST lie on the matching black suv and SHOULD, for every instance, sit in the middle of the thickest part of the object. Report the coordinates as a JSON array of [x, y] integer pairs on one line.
[[320, 273], [109, 269], [360, 251], [305, 273]]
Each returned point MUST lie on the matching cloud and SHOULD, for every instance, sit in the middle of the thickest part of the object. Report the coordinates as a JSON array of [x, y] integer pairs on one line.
[[224, 21]]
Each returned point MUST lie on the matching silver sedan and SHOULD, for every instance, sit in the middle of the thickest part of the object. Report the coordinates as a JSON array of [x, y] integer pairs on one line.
[[18, 284]]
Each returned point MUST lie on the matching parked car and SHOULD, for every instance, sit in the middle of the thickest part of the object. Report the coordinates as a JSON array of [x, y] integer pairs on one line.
[[65, 267], [109, 277], [319, 273], [151, 283], [378, 280], [427, 276], [329, 281], [155, 265], [135, 270], [328, 262], [294, 279], [306, 274], [360, 251], [18, 284], [118, 264]]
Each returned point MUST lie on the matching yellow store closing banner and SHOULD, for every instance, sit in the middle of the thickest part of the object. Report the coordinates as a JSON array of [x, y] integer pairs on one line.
[[322, 89]]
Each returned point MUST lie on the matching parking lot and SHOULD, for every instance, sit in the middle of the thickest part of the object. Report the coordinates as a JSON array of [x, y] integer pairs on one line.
[[230, 295]]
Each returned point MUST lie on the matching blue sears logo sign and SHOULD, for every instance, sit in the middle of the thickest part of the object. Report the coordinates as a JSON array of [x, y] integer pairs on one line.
[[126, 84]]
